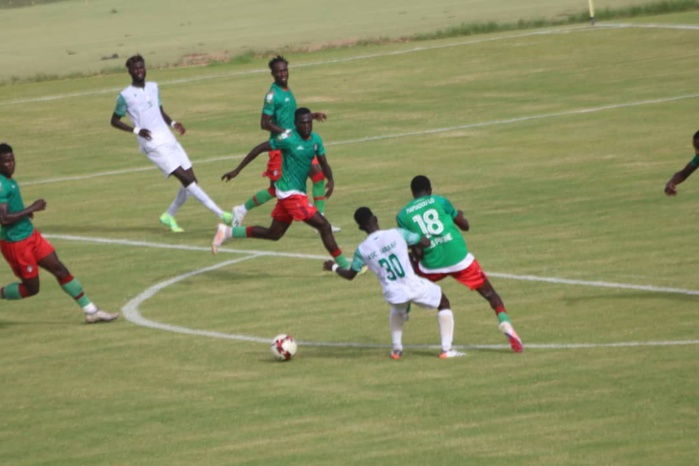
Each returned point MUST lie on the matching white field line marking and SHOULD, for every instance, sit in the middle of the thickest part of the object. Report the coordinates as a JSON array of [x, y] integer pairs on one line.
[[174, 82], [132, 313], [507, 121], [306, 65]]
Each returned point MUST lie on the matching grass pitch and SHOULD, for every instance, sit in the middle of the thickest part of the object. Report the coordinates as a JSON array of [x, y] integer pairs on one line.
[[555, 144]]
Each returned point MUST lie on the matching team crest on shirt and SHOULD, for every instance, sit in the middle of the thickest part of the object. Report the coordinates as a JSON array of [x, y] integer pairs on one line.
[[30, 269], [269, 97], [315, 147]]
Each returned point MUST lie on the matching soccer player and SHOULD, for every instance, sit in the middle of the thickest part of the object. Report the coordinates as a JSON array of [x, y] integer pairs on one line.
[[141, 101], [435, 217], [25, 249], [298, 150], [680, 176], [278, 118], [385, 252]]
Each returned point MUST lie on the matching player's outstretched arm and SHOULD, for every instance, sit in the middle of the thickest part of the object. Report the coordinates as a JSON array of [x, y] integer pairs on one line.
[[257, 150], [677, 178], [348, 274], [319, 116]]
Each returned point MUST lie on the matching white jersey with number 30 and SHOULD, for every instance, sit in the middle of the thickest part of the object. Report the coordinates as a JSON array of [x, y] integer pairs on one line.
[[385, 252]]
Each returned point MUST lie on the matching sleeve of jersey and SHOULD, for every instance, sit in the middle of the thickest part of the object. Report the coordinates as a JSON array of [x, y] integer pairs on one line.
[[120, 108], [357, 261], [277, 143], [409, 237], [448, 208], [268, 106], [695, 161]]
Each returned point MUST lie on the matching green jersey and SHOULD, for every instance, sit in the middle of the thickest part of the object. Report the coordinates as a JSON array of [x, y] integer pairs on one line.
[[433, 217], [280, 104], [695, 161], [297, 155], [9, 194]]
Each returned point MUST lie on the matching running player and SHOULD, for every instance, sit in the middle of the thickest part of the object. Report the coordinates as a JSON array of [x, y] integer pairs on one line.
[[141, 101], [680, 176], [385, 252], [435, 217], [278, 118], [298, 150], [25, 249]]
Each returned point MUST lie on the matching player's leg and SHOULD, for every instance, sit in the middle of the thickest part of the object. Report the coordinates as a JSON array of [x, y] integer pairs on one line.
[[320, 223], [168, 218], [318, 189], [189, 181], [274, 232], [396, 321], [20, 257], [488, 292], [72, 287], [273, 172]]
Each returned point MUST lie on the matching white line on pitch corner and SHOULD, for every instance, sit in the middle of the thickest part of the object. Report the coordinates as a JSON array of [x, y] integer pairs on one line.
[[483, 124], [174, 82], [681, 27]]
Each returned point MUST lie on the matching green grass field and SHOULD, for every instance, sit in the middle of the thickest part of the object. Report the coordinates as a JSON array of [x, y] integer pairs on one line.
[[556, 143], [74, 37]]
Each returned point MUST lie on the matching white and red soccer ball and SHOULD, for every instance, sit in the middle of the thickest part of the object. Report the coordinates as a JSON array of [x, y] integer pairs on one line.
[[283, 347]]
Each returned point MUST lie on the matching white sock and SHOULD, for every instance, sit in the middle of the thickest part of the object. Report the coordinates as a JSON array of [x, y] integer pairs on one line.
[[204, 198], [180, 199], [446, 328], [243, 209], [90, 309], [396, 321]]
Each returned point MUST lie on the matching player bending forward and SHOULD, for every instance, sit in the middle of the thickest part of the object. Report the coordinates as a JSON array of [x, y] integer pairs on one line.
[[385, 252]]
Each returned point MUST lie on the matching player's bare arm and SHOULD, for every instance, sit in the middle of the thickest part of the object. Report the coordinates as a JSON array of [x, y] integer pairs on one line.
[[267, 125], [461, 221], [7, 218], [677, 178], [118, 124], [257, 150], [348, 274], [328, 172], [177, 126], [319, 116]]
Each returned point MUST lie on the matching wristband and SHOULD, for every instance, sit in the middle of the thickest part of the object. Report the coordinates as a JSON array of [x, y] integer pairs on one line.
[[173, 123], [136, 130], [335, 267]]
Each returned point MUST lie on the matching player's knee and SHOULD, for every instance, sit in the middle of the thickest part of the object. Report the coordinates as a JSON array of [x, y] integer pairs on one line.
[[32, 289]]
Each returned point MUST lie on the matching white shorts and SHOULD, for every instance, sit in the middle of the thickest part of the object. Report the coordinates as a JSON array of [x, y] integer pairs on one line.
[[422, 292], [168, 157]]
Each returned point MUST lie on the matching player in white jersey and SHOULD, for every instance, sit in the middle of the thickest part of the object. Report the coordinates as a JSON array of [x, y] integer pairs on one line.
[[151, 125], [385, 252]]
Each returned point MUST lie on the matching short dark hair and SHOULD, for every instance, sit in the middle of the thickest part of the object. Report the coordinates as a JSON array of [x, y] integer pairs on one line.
[[362, 216], [275, 60], [5, 148], [696, 136], [135, 59], [420, 184], [300, 112]]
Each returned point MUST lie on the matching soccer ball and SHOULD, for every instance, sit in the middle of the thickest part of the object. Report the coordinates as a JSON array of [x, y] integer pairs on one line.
[[283, 347]]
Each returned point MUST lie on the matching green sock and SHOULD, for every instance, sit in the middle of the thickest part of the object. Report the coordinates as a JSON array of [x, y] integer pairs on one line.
[[342, 261], [258, 199], [319, 195], [240, 232], [503, 317], [11, 291], [75, 290]]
